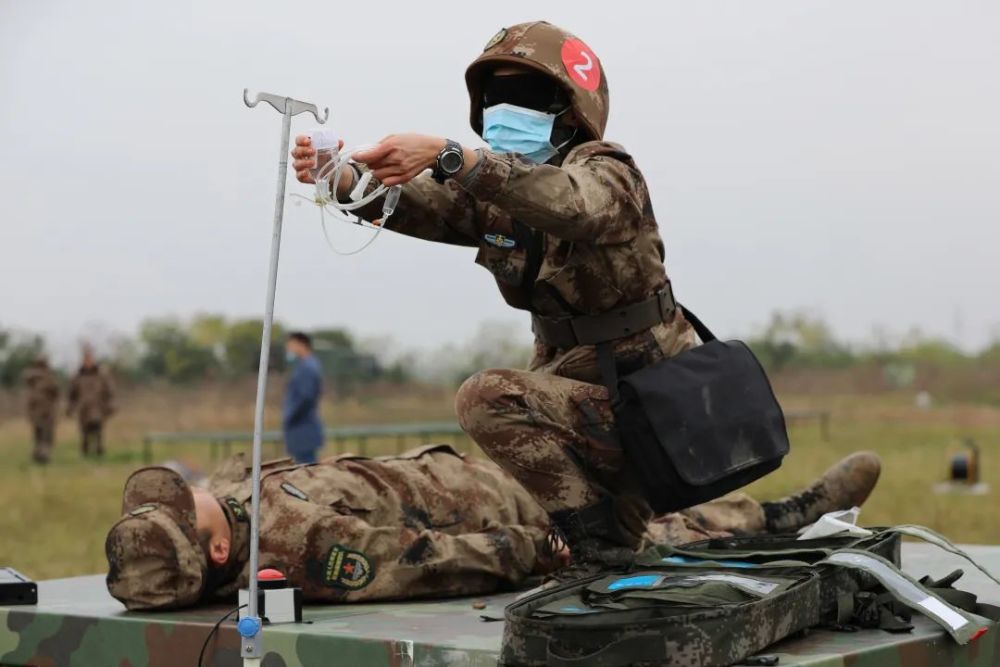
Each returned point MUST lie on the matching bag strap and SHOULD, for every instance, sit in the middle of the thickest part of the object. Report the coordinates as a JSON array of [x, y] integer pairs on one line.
[[699, 327], [533, 241], [961, 625], [609, 370]]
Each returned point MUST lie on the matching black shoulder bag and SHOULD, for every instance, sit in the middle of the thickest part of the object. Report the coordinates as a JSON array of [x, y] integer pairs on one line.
[[698, 425]]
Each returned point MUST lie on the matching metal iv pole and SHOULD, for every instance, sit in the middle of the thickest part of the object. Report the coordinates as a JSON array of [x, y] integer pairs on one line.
[[250, 626]]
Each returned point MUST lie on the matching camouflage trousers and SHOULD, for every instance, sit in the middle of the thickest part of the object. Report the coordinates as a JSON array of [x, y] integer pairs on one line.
[[554, 435], [43, 432], [92, 438], [557, 437], [735, 514]]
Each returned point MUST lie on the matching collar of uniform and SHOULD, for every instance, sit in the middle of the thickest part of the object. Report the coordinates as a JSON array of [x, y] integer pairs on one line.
[[239, 541]]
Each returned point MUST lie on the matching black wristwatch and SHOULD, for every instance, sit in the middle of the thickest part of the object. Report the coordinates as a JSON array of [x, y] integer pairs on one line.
[[450, 161]]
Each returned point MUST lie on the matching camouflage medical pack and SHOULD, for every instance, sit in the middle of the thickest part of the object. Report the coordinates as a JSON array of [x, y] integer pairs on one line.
[[719, 602]]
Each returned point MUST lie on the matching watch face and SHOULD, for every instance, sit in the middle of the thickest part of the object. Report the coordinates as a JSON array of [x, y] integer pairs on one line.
[[451, 162]]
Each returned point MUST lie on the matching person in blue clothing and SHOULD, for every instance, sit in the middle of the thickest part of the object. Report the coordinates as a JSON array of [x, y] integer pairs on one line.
[[300, 421]]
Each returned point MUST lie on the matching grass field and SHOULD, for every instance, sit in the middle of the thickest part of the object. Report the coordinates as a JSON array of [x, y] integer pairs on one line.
[[53, 519]]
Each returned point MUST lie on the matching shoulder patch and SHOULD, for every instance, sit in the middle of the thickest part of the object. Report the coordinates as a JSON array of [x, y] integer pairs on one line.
[[294, 491], [500, 241], [142, 509], [347, 569], [495, 39], [237, 509]]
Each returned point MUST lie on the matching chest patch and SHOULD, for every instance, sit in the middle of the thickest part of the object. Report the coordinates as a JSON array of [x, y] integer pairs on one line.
[[237, 509], [294, 491], [347, 569], [500, 241], [142, 509]]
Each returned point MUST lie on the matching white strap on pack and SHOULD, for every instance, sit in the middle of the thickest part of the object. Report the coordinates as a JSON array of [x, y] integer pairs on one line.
[[963, 626]]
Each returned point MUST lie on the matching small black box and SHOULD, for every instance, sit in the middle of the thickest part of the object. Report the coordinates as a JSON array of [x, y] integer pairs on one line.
[[15, 588]]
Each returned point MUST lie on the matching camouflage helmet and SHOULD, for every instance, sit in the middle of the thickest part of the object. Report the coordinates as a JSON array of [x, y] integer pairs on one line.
[[545, 48], [155, 560]]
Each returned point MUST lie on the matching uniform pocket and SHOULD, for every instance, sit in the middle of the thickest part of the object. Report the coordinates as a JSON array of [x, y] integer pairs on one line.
[[586, 278], [506, 264], [594, 420]]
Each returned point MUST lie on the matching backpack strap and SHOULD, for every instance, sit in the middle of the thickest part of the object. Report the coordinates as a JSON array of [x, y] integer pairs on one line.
[[961, 599], [940, 541], [963, 626]]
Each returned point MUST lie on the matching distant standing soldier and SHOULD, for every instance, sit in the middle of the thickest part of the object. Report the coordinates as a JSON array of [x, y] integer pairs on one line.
[[91, 396], [300, 420], [43, 394]]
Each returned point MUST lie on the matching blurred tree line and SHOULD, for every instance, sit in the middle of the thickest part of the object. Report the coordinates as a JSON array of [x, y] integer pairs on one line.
[[798, 340], [16, 352], [215, 347], [204, 348]]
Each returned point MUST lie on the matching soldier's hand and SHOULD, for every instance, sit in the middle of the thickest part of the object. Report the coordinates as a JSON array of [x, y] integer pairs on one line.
[[304, 156], [546, 563], [305, 160], [400, 157]]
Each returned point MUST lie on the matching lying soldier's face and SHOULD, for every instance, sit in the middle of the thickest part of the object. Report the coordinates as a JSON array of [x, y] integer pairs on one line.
[[214, 532]]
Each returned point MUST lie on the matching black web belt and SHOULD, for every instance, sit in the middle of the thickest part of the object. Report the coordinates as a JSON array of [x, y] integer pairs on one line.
[[567, 332]]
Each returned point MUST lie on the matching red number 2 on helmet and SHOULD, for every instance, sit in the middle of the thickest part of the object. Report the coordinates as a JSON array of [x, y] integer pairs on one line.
[[581, 64]]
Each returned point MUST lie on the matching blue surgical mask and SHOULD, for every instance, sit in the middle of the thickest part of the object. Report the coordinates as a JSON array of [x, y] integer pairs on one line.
[[290, 357], [512, 129]]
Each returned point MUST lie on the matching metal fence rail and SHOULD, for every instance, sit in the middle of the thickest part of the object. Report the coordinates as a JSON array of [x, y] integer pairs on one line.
[[820, 416], [221, 442]]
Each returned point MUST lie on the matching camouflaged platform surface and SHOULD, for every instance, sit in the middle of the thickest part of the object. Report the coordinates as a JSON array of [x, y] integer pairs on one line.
[[77, 623]]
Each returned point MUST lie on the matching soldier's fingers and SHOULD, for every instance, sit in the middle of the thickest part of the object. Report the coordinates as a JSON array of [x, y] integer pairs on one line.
[[303, 140], [303, 151], [391, 171], [374, 154], [304, 176], [303, 164], [398, 178]]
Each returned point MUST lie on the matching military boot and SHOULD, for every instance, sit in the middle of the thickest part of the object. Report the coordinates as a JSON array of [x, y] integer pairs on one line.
[[595, 536], [845, 485]]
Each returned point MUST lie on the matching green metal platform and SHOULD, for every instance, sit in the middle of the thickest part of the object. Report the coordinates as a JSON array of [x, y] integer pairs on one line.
[[77, 623]]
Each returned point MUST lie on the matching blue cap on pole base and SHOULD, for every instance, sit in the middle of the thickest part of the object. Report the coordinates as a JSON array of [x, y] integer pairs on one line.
[[248, 626]]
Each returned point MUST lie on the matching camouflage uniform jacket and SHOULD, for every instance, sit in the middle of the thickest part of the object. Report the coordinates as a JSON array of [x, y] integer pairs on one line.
[[600, 243], [91, 395], [429, 523], [42, 394]]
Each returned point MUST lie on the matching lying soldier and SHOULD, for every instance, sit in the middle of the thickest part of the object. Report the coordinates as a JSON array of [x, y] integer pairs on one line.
[[429, 523]]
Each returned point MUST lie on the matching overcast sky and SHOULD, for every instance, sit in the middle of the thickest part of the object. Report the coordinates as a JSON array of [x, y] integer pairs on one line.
[[838, 156]]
